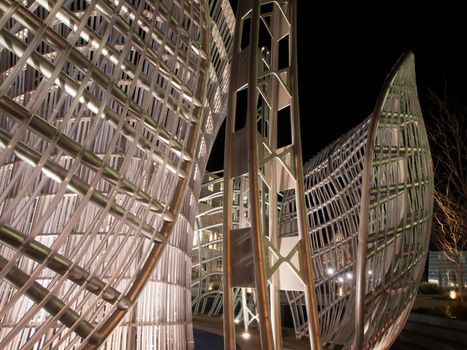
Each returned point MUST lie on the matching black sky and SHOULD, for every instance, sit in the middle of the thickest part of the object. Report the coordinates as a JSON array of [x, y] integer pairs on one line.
[[345, 53]]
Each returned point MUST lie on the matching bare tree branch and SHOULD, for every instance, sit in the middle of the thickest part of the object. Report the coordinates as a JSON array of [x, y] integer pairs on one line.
[[448, 138]]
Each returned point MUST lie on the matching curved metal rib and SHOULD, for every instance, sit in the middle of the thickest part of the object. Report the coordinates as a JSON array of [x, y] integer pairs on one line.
[[51, 304], [60, 264]]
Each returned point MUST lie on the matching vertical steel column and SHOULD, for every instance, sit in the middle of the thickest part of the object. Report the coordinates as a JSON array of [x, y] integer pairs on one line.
[[228, 311], [274, 290], [271, 169], [259, 254], [306, 263]]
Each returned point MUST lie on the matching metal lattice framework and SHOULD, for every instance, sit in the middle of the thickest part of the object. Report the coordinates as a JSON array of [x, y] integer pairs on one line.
[[264, 71], [207, 258], [108, 112], [207, 248], [369, 204], [397, 236]]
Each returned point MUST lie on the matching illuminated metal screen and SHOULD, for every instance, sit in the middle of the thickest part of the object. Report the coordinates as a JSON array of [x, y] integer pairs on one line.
[[399, 198], [108, 112], [369, 204]]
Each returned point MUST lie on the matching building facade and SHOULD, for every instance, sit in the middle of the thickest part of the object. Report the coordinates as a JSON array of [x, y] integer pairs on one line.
[[207, 268], [443, 272]]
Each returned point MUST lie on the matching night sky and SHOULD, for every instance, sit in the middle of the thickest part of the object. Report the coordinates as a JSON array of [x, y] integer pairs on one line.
[[346, 52]]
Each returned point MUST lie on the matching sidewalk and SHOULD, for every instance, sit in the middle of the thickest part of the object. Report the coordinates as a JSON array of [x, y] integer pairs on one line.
[[426, 301], [414, 330], [214, 325]]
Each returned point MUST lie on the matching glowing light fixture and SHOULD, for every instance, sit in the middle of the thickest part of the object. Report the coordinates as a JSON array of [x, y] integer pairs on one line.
[[452, 294]]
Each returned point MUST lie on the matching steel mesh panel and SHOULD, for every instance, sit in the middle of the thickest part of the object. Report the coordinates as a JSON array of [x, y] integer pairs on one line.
[[103, 108], [391, 148]]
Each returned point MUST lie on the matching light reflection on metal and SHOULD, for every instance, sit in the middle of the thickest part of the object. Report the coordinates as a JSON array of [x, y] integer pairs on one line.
[[108, 112], [369, 198]]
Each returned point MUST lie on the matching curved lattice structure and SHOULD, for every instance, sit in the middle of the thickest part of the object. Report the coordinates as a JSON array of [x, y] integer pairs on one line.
[[207, 257], [108, 112], [369, 198], [207, 248]]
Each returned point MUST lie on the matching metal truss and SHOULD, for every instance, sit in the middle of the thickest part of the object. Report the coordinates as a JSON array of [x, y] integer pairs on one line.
[[108, 112], [369, 202], [264, 71], [207, 258]]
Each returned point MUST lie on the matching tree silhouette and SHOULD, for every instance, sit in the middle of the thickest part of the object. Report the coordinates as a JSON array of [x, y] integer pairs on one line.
[[448, 137]]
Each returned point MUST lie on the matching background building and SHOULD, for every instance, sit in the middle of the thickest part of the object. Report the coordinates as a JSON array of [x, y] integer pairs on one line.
[[207, 248], [442, 271]]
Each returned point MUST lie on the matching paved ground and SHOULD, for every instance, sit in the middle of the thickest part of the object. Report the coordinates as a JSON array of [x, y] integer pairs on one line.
[[419, 334], [428, 301], [208, 341], [422, 332], [214, 326]]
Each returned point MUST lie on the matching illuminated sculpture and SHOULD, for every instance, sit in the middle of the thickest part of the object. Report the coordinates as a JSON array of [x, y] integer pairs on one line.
[[391, 148], [263, 143], [369, 204], [108, 111]]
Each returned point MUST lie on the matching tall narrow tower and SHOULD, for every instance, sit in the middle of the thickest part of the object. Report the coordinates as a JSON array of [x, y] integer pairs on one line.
[[263, 141]]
